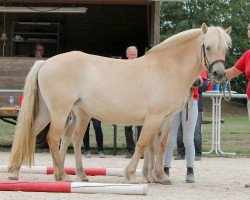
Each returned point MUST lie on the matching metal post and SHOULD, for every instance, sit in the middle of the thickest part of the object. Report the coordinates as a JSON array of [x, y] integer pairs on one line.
[[115, 140]]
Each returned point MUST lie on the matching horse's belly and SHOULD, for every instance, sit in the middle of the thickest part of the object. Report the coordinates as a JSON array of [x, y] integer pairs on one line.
[[125, 114]]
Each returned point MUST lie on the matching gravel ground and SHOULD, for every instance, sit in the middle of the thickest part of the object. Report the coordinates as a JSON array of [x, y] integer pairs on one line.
[[216, 178]]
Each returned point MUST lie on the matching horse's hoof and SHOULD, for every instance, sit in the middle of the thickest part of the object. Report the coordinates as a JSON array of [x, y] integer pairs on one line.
[[144, 180], [133, 181], [148, 178], [13, 176], [63, 178], [162, 179], [83, 179], [127, 179], [165, 182]]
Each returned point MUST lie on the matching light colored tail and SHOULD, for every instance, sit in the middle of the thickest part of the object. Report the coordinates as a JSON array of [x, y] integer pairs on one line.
[[23, 147]]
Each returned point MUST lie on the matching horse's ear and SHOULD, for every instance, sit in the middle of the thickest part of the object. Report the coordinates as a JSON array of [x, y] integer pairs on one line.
[[228, 30], [204, 28]]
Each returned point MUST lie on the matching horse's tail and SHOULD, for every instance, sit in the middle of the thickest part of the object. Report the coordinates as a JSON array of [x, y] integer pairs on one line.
[[23, 147]]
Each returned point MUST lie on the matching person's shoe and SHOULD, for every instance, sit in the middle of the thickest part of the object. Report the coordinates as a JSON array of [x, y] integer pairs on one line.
[[87, 154], [190, 175], [179, 157], [197, 157], [166, 170], [101, 154], [129, 155]]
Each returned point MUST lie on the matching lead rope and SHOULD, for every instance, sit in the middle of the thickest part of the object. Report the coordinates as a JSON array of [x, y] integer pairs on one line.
[[186, 110], [189, 103]]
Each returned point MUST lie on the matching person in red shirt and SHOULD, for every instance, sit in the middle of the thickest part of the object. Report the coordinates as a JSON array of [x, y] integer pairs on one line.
[[243, 66], [188, 117]]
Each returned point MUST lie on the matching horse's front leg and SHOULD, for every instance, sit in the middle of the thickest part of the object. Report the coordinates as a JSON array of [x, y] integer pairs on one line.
[[149, 129], [158, 173], [149, 162], [77, 139]]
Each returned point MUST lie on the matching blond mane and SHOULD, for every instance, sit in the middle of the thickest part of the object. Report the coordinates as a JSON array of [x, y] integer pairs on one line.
[[176, 39], [215, 37]]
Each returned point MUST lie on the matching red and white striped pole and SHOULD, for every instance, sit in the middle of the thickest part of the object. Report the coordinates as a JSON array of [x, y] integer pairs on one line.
[[73, 187], [71, 171]]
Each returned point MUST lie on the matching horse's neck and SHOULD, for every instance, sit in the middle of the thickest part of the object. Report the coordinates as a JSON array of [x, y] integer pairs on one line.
[[191, 64], [184, 60], [186, 55]]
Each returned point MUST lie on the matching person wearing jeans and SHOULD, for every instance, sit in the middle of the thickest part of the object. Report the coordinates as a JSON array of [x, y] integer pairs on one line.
[[187, 117], [197, 132], [188, 126]]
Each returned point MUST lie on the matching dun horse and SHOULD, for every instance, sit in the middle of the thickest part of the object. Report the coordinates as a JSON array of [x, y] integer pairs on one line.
[[149, 173], [148, 90]]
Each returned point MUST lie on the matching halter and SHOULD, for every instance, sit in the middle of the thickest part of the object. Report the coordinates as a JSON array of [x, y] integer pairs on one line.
[[207, 65], [209, 69]]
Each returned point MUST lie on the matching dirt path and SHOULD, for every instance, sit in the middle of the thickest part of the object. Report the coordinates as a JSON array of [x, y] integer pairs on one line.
[[216, 178]]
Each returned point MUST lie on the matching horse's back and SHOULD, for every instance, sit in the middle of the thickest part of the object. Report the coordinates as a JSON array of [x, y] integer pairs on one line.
[[99, 82]]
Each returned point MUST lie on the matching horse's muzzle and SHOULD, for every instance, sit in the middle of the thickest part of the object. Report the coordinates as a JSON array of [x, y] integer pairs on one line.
[[219, 73]]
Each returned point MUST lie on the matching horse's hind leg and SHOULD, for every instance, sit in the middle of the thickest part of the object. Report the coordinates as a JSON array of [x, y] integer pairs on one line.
[[65, 140], [150, 128], [43, 116], [161, 140], [77, 139], [57, 128], [148, 164]]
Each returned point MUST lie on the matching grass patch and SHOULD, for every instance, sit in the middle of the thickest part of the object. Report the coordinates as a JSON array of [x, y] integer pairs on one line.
[[235, 137], [6, 134]]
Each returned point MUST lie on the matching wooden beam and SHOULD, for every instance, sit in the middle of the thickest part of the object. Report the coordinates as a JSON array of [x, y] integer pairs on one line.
[[80, 1], [155, 23]]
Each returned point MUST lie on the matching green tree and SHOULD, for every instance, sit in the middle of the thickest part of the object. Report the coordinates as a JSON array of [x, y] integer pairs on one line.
[[180, 16]]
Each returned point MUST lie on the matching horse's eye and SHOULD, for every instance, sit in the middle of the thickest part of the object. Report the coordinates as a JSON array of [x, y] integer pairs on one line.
[[208, 48]]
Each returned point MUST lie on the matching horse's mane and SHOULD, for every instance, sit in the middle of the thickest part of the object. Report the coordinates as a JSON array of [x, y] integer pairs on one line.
[[215, 37], [175, 39]]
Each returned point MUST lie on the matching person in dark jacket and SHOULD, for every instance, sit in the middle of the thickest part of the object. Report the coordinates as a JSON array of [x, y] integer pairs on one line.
[[98, 136], [131, 53]]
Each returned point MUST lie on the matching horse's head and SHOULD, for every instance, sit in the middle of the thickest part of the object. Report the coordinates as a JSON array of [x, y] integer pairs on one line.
[[216, 41]]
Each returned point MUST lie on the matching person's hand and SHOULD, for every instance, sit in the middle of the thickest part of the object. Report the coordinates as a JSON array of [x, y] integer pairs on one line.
[[198, 82], [38, 54]]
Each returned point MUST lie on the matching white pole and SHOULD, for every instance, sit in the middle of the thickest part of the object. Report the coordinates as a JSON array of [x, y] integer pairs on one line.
[[92, 188], [120, 172], [74, 187], [26, 169]]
